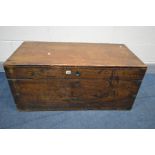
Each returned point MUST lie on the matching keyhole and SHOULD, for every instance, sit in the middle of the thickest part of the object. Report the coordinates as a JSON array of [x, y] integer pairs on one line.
[[77, 73]]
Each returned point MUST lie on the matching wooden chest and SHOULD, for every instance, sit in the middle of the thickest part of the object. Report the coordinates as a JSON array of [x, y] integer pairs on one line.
[[74, 76]]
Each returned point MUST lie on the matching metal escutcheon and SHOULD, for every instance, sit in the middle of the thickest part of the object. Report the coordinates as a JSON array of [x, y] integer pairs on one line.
[[77, 73]]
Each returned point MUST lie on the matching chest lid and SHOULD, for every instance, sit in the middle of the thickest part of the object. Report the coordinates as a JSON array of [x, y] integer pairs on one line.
[[74, 54], [73, 60]]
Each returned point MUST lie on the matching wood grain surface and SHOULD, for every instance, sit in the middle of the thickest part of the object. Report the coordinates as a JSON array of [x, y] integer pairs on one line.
[[73, 93], [74, 54], [102, 76], [48, 72]]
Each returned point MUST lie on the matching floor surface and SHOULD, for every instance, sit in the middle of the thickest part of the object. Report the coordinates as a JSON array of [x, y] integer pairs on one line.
[[141, 116]]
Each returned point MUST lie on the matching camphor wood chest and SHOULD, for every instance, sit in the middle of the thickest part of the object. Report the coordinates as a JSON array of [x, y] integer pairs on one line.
[[74, 76]]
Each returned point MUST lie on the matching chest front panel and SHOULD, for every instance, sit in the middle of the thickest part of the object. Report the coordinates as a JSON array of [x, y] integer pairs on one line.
[[92, 88]]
